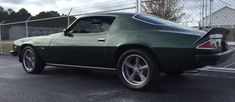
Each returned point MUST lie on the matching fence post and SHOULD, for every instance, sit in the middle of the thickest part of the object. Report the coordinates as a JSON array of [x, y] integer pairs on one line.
[[138, 6], [68, 16], [206, 19], [232, 33], [26, 27], [1, 37]]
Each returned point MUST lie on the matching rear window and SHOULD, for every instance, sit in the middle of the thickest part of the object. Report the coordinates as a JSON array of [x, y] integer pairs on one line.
[[153, 19]]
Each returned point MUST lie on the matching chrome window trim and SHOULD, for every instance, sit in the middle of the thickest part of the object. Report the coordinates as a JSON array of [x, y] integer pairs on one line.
[[134, 17]]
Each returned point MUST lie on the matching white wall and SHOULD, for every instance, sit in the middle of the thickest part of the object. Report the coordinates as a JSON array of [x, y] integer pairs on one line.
[[224, 16]]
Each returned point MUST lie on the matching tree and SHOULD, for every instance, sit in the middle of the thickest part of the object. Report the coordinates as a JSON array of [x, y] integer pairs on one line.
[[166, 9], [47, 14], [10, 12], [22, 13], [3, 14], [56, 22], [10, 15]]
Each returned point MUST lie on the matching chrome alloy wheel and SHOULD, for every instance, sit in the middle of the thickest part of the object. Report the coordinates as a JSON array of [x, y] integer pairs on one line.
[[28, 59], [135, 69]]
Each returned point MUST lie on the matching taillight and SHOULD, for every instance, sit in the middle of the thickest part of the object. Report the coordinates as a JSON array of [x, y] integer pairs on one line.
[[209, 44]]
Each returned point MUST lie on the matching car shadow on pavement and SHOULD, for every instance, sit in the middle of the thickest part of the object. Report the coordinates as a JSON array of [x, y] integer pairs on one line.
[[166, 84], [106, 85]]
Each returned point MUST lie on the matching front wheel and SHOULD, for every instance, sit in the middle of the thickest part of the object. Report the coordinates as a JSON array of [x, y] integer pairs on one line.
[[31, 61], [138, 69]]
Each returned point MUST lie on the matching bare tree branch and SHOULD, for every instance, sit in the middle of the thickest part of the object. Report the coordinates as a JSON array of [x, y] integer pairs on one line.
[[166, 9]]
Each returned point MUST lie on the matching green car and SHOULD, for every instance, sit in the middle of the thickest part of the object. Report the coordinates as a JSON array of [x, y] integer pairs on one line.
[[138, 46]]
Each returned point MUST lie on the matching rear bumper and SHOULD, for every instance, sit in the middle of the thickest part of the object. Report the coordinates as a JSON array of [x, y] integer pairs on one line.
[[213, 59]]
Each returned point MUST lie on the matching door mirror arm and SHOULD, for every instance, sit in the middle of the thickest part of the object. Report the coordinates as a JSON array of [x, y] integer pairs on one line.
[[67, 33]]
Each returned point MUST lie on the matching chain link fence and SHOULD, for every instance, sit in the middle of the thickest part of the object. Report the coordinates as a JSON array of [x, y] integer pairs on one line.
[[199, 14], [208, 14]]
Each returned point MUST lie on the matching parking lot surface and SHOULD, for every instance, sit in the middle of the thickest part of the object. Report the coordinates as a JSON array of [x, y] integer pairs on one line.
[[56, 84]]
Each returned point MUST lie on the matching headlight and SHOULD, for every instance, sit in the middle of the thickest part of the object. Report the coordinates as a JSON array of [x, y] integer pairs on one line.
[[14, 46]]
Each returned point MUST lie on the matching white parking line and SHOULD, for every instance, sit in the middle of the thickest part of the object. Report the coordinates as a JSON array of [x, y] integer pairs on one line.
[[218, 69]]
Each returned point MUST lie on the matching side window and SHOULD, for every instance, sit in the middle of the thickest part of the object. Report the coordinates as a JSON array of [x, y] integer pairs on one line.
[[94, 24]]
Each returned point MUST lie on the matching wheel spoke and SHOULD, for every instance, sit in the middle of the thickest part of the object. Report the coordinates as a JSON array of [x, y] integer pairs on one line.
[[27, 63], [128, 64], [137, 61], [142, 77], [132, 77], [27, 57], [145, 67], [30, 64]]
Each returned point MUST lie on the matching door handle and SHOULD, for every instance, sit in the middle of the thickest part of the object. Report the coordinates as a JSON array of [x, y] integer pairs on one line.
[[101, 39]]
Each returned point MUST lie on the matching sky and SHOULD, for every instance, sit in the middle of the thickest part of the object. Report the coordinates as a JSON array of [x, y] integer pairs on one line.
[[192, 8], [62, 6]]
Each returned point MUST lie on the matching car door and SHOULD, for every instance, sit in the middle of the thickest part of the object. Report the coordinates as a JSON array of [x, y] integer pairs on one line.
[[86, 44]]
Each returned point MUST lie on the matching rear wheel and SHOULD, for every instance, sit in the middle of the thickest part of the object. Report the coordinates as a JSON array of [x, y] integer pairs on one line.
[[138, 69], [31, 61]]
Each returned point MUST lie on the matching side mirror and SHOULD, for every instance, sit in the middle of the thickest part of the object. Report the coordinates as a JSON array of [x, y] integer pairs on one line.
[[67, 33]]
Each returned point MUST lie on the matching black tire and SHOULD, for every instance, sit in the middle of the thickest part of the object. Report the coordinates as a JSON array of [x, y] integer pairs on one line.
[[174, 73], [38, 65], [152, 78]]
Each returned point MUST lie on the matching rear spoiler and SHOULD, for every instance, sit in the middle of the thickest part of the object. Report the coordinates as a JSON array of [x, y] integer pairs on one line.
[[222, 31]]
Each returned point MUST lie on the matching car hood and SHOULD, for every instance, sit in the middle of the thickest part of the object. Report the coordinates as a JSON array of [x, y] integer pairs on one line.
[[35, 38]]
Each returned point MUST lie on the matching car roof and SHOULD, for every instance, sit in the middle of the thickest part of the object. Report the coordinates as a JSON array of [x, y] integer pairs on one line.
[[116, 14]]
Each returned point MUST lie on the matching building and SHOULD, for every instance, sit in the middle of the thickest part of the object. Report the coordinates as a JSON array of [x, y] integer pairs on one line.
[[224, 17]]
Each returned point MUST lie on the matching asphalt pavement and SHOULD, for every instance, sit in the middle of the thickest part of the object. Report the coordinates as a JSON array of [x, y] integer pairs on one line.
[[56, 84]]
